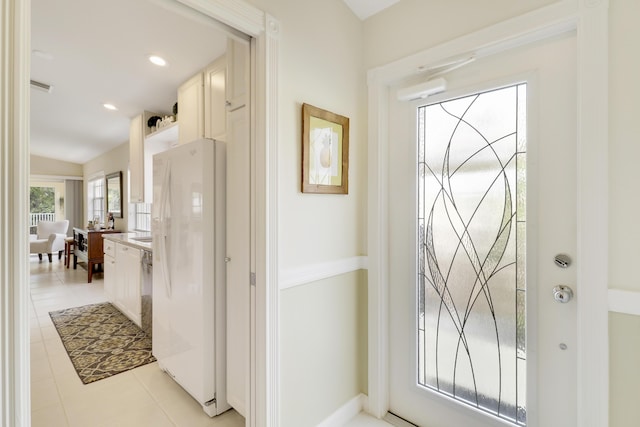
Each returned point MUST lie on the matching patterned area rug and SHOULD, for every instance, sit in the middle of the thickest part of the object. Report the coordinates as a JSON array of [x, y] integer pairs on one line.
[[101, 341]]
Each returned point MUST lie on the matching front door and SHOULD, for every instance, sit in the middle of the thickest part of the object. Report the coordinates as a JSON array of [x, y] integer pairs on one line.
[[482, 201]]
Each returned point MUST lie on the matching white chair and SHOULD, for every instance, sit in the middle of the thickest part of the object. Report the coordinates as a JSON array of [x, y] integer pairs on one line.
[[49, 238]]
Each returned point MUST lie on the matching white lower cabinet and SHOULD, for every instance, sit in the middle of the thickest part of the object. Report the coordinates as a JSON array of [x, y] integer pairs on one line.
[[109, 249], [125, 283]]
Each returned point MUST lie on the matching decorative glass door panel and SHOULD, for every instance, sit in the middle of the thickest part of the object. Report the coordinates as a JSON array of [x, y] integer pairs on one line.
[[471, 260]]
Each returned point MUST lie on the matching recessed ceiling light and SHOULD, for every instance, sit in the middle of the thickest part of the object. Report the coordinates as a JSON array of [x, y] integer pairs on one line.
[[110, 107], [161, 62]]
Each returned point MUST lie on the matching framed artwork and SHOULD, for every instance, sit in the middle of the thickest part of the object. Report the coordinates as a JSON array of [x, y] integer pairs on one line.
[[325, 151]]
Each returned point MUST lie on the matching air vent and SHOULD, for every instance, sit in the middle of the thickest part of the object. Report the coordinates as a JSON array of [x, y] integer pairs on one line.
[[41, 86]]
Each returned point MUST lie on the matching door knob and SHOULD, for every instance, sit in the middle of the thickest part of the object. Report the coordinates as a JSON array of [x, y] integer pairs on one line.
[[562, 294]]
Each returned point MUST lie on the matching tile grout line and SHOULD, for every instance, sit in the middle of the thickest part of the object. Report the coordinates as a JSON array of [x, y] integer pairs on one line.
[[154, 398]]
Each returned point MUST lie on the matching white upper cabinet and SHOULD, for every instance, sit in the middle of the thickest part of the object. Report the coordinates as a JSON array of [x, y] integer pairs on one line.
[[215, 118], [191, 109], [237, 87], [202, 103]]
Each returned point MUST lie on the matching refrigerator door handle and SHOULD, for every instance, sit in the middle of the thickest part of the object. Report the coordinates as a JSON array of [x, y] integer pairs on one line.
[[166, 182]]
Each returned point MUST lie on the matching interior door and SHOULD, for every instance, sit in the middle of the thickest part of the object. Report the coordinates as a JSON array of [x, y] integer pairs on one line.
[[238, 228], [476, 335]]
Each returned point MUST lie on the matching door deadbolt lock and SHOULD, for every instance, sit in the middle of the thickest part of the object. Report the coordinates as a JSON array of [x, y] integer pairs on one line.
[[562, 260], [562, 294]]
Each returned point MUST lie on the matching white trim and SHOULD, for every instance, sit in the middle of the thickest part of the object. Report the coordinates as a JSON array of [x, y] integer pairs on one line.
[[625, 302], [55, 178], [266, 365], [237, 14], [15, 405], [589, 18], [346, 412], [297, 276], [378, 251], [525, 29], [593, 216]]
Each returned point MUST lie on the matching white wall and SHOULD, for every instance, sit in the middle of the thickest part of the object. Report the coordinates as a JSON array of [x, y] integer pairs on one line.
[[112, 161], [320, 54], [320, 64]]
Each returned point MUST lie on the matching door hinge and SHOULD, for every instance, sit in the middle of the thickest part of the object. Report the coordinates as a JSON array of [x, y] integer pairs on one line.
[[213, 401], [252, 278]]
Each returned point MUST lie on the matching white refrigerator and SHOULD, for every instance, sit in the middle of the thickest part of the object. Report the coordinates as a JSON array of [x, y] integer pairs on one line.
[[188, 229]]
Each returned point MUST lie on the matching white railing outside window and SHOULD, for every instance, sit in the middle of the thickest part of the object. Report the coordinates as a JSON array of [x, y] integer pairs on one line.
[[35, 218]]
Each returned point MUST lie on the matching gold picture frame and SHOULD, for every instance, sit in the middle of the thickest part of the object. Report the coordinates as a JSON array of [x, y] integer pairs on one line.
[[325, 151]]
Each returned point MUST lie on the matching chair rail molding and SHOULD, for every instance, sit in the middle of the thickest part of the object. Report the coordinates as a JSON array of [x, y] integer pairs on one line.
[[296, 276], [625, 302], [589, 18]]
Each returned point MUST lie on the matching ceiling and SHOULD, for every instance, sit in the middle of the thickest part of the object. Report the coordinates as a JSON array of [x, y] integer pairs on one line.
[[366, 8], [94, 52]]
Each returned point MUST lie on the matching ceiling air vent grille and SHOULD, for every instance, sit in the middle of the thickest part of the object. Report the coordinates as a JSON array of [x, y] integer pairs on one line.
[[41, 86]]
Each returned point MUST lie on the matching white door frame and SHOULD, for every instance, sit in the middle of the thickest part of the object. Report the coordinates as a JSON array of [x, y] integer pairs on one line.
[[15, 53], [589, 18]]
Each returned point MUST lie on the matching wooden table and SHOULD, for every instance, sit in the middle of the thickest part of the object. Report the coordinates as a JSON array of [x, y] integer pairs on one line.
[[88, 248]]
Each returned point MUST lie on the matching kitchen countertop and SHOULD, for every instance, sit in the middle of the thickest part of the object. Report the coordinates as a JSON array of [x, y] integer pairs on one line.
[[129, 239]]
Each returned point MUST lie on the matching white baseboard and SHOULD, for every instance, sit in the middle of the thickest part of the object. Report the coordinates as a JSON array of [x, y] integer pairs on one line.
[[290, 277], [626, 302], [346, 412], [397, 421]]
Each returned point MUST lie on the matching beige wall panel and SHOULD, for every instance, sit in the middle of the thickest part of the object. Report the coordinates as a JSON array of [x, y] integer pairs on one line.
[[624, 143], [624, 351], [323, 351], [45, 166]]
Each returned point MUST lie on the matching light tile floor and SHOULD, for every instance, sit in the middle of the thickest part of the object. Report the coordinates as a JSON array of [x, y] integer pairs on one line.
[[364, 420], [141, 397]]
